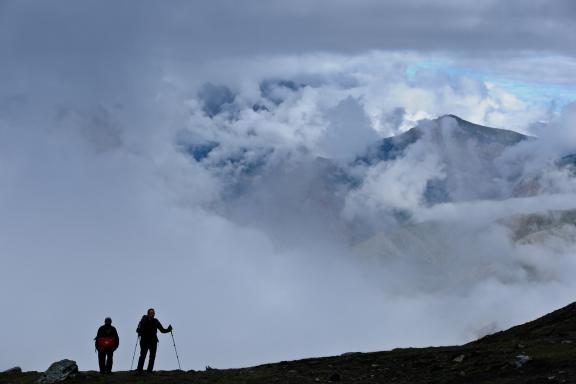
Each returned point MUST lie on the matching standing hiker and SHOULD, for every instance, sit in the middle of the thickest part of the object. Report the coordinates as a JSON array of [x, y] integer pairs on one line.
[[147, 330], [106, 342]]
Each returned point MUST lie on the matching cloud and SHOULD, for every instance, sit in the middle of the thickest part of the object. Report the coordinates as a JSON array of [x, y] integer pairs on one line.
[[349, 133], [398, 185], [100, 39], [223, 206]]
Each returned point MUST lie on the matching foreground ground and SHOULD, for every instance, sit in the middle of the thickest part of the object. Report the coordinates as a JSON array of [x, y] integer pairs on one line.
[[541, 351]]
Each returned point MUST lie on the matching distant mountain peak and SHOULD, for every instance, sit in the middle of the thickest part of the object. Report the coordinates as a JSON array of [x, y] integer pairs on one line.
[[464, 131], [467, 130], [457, 118]]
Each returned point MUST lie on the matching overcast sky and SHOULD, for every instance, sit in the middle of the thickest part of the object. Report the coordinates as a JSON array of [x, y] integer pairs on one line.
[[180, 29], [101, 214]]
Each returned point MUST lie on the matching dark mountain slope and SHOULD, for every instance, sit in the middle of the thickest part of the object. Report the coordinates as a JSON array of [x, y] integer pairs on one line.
[[557, 326]]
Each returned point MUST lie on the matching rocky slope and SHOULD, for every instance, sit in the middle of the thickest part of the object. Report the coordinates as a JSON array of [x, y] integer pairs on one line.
[[541, 351]]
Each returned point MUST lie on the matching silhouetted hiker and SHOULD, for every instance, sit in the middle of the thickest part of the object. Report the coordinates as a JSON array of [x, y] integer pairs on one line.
[[147, 330], [106, 342]]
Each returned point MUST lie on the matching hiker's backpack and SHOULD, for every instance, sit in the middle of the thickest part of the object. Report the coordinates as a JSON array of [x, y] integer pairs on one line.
[[105, 343], [146, 327]]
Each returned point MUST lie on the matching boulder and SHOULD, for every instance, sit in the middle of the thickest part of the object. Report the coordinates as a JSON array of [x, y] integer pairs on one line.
[[459, 359], [521, 360], [59, 371], [13, 370]]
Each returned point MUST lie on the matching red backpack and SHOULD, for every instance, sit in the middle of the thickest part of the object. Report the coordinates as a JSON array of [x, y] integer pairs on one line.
[[105, 343]]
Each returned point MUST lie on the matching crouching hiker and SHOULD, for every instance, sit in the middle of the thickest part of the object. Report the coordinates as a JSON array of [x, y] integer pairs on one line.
[[106, 342], [147, 330]]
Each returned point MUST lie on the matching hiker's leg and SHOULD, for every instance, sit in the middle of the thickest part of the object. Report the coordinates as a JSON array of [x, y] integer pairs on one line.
[[102, 361], [152, 357], [143, 352], [109, 361]]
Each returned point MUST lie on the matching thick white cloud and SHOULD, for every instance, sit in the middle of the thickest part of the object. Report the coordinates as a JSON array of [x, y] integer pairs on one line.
[[396, 185]]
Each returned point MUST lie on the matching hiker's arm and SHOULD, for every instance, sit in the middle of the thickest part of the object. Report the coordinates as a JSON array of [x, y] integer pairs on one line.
[[161, 328], [117, 338]]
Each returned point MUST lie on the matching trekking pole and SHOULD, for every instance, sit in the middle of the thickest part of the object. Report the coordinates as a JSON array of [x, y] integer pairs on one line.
[[175, 350], [134, 354]]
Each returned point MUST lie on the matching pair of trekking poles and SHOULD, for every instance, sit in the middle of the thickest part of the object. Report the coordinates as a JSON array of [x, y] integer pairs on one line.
[[173, 343]]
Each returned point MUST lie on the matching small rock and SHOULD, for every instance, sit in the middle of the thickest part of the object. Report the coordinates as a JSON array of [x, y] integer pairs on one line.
[[462, 373], [551, 377], [13, 370], [566, 341], [317, 379], [459, 359], [375, 365], [209, 368], [521, 360], [335, 377], [59, 371], [520, 346], [350, 353]]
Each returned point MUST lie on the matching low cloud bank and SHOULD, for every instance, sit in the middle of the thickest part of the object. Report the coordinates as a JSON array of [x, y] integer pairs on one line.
[[240, 211]]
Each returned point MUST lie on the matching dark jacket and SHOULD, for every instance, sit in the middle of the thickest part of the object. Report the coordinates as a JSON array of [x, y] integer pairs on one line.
[[107, 331], [149, 327]]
